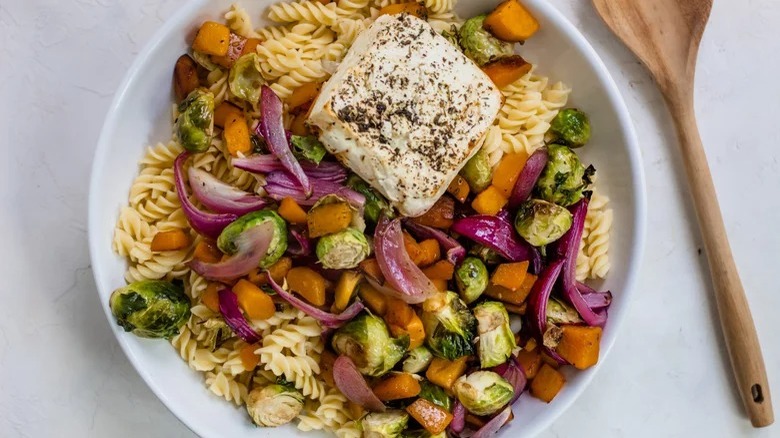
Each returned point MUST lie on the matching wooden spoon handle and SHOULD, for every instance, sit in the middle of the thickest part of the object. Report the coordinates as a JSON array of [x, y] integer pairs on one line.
[[735, 318]]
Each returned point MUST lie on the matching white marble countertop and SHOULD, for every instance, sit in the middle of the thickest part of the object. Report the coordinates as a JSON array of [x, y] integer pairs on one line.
[[63, 374]]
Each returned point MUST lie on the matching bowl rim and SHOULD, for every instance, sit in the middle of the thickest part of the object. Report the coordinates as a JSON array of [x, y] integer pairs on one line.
[[551, 13]]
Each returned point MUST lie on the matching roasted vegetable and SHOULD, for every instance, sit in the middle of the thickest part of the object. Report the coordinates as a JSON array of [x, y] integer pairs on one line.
[[255, 303], [511, 21], [483, 392], [290, 211], [496, 340], [412, 8], [418, 360], [375, 203], [506, 71], [508, 171], [226, 111], [444, 373], [459, 189], [472, 279], [245, 79], [302, 97], [212, 39], [343, 250], [329, 218], [487, 255], [489, 202], [579, 345], [373, 299], [397, 386], [308, 148], [274, 405], [571, 127], [508, 283], [185, 77], [235, 50], [440, 216], [547, 383], [541, 222], [441, 270], [436, 395], [227, 239], [388, 424], [478, 172], [479, 45], [449, 326], [170, 240], [307, 283], [430, 416], [558, 312], [346, 288], [237, 137], [564, 178], [207, 251], [195, 123], [150, 308], [367, 342]]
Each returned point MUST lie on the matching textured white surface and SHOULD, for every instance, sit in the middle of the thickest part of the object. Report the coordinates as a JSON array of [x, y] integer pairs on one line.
[[62, 372]]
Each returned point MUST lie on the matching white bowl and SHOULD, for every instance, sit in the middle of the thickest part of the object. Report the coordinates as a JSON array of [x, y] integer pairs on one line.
[[140, 115]]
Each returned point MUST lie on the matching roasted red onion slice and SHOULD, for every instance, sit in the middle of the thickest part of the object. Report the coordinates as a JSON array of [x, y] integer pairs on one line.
[[326, 170], [271, 128], [537, 302], [280, 185], [514, 374], [400, 272], [458, 422], [455, 251], [528, 176], [492, 427], [221, 197], [228, 307], [499, 235], [252, 246], [354, 386], [207, 224], [327, 319]]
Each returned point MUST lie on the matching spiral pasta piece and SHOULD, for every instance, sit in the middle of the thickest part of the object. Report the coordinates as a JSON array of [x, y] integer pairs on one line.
[[304, 11]]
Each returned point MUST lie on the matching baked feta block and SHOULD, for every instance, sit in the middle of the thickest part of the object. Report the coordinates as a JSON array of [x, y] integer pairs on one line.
[[405, 110]]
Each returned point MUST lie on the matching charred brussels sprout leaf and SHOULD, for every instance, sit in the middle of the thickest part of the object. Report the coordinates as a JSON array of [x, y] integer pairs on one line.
[[449, 326], [245, 79], [472, 279], [483, 392], [367, 342], [389, 424], [479, 44], [496, 340], [564, 178], [571, 127], [435, 394], [150, 308], [343, 250], [274, 405], [541, 222], [195, 123], [227, 239], [308, 148]]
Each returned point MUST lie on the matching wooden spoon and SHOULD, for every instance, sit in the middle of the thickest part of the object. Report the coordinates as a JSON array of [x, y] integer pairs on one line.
[[665, 35]]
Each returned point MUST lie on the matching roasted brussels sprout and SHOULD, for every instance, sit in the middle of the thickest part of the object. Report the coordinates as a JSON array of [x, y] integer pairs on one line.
[[472, 279], [418, 360], [227, 241], [571, 127], [245, 79], [343, 250], [479, 44], [388, 424], [483, 392], [367, 342], [213, 332], [195, 123], [150, 308], [449, 326], [478, 172], [274, 405], [487, 255], [496, 340], [559, 312], [308, 148], [541, 222], [375, 203], [564, 178], [204, 60], [435, 394]]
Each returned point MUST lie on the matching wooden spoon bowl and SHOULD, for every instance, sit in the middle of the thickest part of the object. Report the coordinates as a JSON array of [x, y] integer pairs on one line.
[[665, 35]]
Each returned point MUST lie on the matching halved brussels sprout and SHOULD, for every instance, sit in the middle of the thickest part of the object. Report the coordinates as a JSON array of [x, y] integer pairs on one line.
[[195, 123], [367, 342], [541, 222], [274, 405], [449, 326], [418, 360], [496, 340], [227, 239], [308, 148], [487, 255], [435, 394], [150, 308], [343, 250], [478, 172], [245, 79], [564, 178], [483, 392], [559, 312], [204, 60], [375, 203], [479, 44], [571, 127], [213, 332], [388, 424], [472, 279]]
